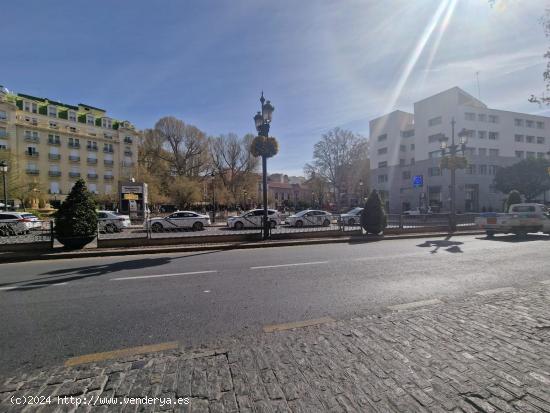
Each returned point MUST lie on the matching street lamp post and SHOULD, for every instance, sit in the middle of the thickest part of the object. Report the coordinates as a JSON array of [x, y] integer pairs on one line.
[[361, 191], [213, 175], [450, 152], [4, 171], [262, 120]]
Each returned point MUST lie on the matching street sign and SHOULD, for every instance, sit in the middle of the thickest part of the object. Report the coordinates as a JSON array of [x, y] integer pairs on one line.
[[131, 197], [418, 181]]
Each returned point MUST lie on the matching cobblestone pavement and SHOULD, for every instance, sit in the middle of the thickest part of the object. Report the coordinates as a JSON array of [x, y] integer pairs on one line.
[[485, 353]]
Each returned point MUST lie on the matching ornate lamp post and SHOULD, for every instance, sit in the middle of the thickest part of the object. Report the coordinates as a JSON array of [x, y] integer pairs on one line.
[[361, 191], [451, 160], [266, 147], [4, 171], [213, 175]]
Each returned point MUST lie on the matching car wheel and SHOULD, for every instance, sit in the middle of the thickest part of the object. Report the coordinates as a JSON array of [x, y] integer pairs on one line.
[[157, 227], [273, 224], [326, 223], [299, 224], [197, 226], [238, 225], [110, 228], [351, 221]]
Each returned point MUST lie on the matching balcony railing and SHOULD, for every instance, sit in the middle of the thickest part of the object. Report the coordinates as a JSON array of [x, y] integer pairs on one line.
[[33, 172], [54, 142], [74, 158], [74, 174], [128, 140], [92, 148], [54, 173], [108, 150], [108, 177], [92, 176], [74, 145], [32, 154], [32, 139], [92, 161], [54, 156], [128, 153], [108, 162]]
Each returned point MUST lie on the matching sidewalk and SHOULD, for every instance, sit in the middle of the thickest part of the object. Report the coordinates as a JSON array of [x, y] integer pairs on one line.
[[488, 352]]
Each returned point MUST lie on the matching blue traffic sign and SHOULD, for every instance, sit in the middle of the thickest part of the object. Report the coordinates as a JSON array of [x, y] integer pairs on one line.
[[418, 181]]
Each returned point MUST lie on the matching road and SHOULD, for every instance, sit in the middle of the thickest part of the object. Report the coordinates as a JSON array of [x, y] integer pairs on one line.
[[53, 310]]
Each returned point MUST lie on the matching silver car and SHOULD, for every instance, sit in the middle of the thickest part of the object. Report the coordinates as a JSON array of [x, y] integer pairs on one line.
[[177, 221], [310, 218], [254, 219], [352, 217]]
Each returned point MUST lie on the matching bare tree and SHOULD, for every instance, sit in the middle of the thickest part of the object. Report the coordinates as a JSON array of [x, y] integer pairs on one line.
[[336, 155]]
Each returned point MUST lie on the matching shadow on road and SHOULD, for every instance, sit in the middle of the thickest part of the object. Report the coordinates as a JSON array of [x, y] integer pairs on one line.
[[77, 273], [515, 238], [447, 244]]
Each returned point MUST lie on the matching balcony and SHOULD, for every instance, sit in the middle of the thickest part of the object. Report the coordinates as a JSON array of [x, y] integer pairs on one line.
[[32, 172], [54, 173], [4, 134], [74, 145], [54, 156], [128, 140], [74, 174], [92, 148], [128, 153], [108, 162], [108, 177], [32, 154], [74, 158], [92, 161], [92, 176], [55, 142], [34, 139], [108, 150]]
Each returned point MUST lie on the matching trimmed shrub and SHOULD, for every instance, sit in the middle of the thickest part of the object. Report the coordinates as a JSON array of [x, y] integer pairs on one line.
[[373, 216], [77, 216], [514, 197]]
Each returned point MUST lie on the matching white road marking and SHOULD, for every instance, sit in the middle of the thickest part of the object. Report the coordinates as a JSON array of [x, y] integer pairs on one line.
[[137, 277], [497, 291], [19, 287], [547, 282], [289, 265], [414, 304]]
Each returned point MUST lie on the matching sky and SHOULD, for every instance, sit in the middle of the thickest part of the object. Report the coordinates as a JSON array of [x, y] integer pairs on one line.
[[322, 63]]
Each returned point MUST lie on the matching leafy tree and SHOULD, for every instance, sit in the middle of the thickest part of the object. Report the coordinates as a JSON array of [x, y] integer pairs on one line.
[[529, 175], [373, 216], [185, 192], [76, 217], [514, 197]]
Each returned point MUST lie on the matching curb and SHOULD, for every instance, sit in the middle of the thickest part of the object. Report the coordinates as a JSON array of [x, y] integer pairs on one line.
[[225, 247]]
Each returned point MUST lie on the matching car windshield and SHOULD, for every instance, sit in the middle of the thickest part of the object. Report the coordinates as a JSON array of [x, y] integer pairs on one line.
[[28, 216]]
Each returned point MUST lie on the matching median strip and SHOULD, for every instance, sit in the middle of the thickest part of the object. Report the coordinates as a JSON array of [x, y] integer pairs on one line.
[[297, 324], [115, 354], [137, 277], [414, 304], [289, 265], [497, 291]]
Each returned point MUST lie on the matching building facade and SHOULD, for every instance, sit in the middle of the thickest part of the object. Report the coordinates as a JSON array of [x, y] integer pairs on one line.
[[406, 150], [52, 144]]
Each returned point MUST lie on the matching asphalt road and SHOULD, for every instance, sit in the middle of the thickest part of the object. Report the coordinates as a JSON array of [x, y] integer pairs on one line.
[[53, 310]]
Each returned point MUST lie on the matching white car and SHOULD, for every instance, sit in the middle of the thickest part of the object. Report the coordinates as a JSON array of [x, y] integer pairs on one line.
[[254, 219], [352, 217], [418, 211], [178, 220], [15, 223], [310, 217], [109, 221]]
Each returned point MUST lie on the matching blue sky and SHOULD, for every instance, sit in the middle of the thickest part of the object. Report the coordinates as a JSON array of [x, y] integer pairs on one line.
[[322, 63]]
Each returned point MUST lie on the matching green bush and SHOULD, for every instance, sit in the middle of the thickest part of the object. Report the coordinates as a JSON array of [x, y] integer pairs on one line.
[[77, 216], [373, 216], [514, 197]]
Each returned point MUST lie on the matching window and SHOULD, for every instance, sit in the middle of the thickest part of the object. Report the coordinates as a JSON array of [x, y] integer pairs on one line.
[[436, 138], [482, 151], [540, 139], [470, 133], [406, 175], [540, 155], [52, 111], [26, 106], [412, 146], [382, 164], [72, 116], [518, 122], [34, 107], [493, 119], [434, 154], [530, 154], [469, 152], [402, 162], [493, 136], [407, 133], [470, 116], [530, 139], [108, 189], [403, 148], [540, 124], [382, 151], [471, 169], [3, 115], [434, 121], [106, 123], [518, 138], [412, 161], [54, 187], [493, 169], [493, 153], [434, 171], [383, 137], [482, 117], [92, 188], [481, 134], [529, 123], [519, 154], [382, 179], [483, 169], [90, 120]]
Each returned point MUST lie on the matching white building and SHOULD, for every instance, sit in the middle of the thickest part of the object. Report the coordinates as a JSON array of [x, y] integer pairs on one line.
[[407, 145]]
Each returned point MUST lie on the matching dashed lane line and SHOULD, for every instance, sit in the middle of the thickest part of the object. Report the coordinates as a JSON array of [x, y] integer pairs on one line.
[[414, 304], [497, 291], [297, 324], [138, 277], [29, 286], [297, 264]]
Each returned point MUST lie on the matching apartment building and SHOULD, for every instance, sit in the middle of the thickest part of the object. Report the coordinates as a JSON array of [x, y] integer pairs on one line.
[[406, 150], [52, 144]]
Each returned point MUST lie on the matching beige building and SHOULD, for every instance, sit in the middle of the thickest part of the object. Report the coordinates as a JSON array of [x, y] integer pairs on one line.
[[52, 144]]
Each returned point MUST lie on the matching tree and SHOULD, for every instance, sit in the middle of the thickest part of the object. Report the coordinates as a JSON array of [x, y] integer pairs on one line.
[[335, 156], [529, 175], [184, 192], [319, 186], [373, 216], [514, 197]]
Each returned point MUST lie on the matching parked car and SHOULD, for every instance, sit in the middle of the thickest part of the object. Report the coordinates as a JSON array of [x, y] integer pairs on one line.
[[254, 219], [178, 220], [109, 221], [418, 211], [14, 223], [521, 219], [310, 217], [352, 217]]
